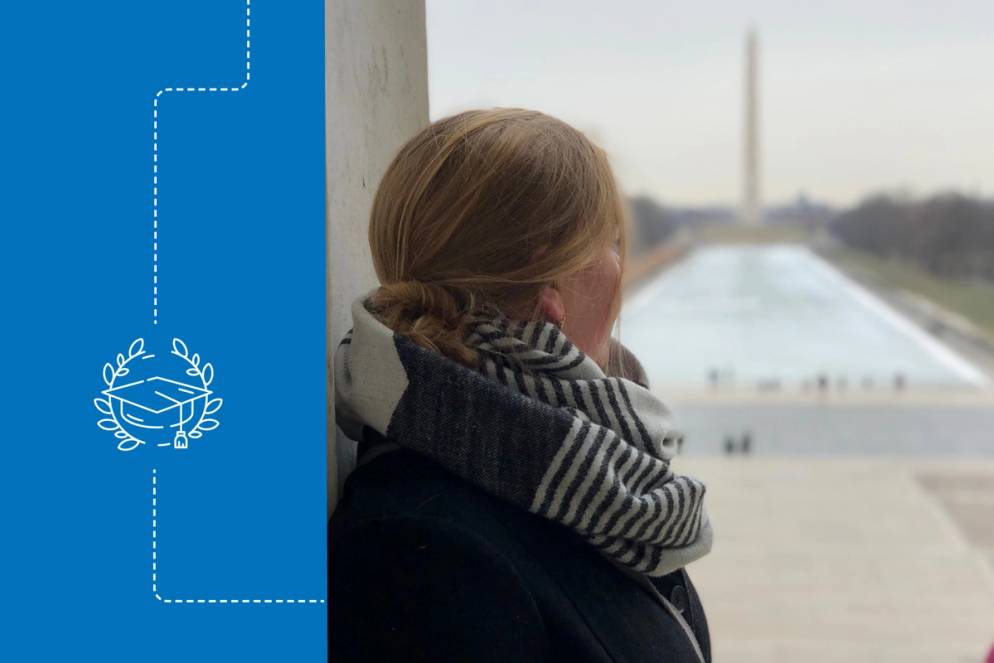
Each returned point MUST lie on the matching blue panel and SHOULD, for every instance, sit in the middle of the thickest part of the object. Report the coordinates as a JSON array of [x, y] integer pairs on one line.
[[232, 263]]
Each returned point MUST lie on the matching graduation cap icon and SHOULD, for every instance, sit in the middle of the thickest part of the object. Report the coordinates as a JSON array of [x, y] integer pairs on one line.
[[150, 402]]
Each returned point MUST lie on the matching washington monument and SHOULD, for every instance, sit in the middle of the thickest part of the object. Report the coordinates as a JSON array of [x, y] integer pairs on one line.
[[751, 204]]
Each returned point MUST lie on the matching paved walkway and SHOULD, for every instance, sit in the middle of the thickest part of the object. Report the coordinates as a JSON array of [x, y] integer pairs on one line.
[[853, 560], [919, 425]]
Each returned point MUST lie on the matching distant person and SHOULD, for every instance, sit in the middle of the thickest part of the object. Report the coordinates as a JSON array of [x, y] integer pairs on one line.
[[492, 515], [746, 443], [822, 383], [729, 445], [900, 382]]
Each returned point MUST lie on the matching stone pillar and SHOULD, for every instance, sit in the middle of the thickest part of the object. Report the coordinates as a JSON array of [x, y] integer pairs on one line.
[[376, 97]]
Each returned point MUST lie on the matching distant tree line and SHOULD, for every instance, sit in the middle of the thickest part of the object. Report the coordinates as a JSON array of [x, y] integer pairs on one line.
[[654, 223], [651, 223], [950, 234], [799, 213]]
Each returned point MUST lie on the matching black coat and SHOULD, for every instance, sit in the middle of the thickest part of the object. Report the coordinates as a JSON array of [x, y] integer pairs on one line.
[[424, 566]]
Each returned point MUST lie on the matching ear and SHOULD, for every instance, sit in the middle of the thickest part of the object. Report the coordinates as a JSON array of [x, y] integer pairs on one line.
[[551, 303]]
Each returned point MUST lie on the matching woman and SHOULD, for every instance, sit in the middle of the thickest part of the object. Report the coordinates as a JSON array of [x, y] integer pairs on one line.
[[513, 499]]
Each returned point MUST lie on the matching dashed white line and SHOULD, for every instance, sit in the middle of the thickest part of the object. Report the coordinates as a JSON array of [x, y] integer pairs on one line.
[[198, 601], [155, 150]]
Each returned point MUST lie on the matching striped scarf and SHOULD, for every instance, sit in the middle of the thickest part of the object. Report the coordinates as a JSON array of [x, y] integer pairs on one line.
[[540, 425]]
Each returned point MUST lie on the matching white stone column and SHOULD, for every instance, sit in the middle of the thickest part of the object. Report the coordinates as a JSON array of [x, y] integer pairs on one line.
[[376, 97]]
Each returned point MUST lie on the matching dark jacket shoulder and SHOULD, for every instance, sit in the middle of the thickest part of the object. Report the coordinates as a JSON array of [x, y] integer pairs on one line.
[[425, 566]]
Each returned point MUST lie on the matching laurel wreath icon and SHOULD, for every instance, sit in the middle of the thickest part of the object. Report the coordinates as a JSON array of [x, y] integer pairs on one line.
[[112, 372]]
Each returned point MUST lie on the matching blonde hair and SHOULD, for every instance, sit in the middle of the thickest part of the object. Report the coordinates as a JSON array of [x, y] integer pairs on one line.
[[477, 213]]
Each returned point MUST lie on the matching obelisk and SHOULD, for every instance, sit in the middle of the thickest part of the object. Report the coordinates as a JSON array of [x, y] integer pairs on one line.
[[751, 205]]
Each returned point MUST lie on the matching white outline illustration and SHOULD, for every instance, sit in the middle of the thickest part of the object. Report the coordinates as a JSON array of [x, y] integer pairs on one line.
[[160, 385], [121, 401]]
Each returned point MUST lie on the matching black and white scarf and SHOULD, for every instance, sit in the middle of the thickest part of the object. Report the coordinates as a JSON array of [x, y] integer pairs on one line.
[[540, 425]]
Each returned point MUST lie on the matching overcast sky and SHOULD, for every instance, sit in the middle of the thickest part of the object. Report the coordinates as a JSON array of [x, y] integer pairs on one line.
[[856, 95]]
